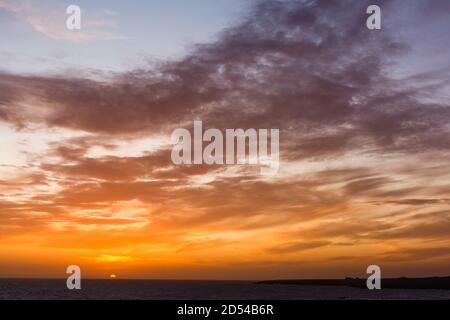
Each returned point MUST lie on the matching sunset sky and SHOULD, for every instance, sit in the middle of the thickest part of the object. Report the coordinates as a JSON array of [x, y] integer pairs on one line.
[[86, 176]]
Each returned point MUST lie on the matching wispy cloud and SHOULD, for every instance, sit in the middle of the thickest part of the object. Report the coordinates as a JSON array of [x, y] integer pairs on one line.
[[51, 22]]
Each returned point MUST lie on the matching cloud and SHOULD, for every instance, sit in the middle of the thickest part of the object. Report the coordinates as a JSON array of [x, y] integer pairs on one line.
[[436, 228], [298, 246], [306, 68], [415, 254], [420, 202], [51, 22]]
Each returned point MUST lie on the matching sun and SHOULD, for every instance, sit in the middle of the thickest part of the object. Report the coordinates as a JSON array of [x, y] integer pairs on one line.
[[112, 276]]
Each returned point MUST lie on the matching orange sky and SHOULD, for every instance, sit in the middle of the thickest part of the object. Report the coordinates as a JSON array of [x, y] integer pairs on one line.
[[86, 176]]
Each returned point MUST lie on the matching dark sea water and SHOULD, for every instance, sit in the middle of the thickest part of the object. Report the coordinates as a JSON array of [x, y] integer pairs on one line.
[[172, 289]]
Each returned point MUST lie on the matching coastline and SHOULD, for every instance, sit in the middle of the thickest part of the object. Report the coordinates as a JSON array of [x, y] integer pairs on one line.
[[440, 283]]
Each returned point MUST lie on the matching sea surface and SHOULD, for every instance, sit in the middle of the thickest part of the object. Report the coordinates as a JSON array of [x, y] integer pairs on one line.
[[45, 289]]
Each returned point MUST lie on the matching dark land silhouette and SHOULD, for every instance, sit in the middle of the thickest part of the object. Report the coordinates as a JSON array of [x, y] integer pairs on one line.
[[442, 283]]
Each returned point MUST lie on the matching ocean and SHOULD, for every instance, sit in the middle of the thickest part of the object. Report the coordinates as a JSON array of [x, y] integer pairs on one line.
[[45, 289]]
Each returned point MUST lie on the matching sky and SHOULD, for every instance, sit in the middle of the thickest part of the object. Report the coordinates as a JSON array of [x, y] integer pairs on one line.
[[86, 176], [115, 36]]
